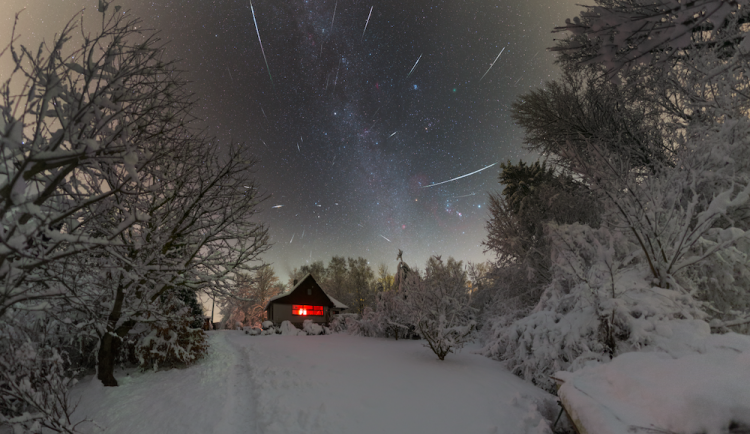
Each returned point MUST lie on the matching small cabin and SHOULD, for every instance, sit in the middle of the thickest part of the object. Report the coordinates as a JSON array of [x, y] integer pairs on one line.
[[306, 300]]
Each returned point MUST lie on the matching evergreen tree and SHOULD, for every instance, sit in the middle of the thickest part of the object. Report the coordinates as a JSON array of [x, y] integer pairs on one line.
[[195, 309]]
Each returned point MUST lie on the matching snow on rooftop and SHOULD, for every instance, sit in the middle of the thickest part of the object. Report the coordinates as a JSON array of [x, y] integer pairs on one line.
[[337, 303]]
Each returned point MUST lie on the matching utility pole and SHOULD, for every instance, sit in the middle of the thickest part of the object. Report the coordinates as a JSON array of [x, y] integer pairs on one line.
[[213, 297]]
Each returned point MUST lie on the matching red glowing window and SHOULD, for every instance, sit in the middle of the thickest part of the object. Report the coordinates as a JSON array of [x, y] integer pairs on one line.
[[306, 310]]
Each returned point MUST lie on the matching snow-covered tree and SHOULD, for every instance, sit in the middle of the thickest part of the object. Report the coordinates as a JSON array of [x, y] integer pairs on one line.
[[361, 284], [115, 205], [172, 340], [652, 117], [77, 128], [335, 282], [384, 279], [249, 297], [73, 125], [441, 307], [36, 372], [317, 269], [533, 196], [684, 68], [201, 233], [625, 34], [694, 59], [394, 305]]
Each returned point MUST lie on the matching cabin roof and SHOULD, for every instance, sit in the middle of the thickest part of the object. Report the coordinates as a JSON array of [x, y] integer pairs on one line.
[[334, 302], [337, 303]]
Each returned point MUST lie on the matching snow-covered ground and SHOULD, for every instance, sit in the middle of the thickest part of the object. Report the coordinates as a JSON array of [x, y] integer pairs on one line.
[[703, 390], [318, 384]]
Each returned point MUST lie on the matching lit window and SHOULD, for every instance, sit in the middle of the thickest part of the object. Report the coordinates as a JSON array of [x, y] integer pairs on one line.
[[306, 310]]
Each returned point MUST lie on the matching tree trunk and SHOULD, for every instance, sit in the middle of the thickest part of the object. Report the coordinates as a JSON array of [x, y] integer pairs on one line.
[[109, 345]]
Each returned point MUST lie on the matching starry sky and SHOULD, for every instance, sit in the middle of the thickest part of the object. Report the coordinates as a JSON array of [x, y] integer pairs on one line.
[[351, 124]]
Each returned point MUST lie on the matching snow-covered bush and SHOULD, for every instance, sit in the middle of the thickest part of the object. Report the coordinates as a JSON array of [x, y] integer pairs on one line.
[[35, 374], [371, 323], [508, 296], [601, 303], [312, 329], [287, 328], [341, 322], [169, 343], [351, 324], [441, 307]]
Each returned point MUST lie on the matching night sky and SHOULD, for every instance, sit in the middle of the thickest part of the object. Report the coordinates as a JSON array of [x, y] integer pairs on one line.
[[348, 139]]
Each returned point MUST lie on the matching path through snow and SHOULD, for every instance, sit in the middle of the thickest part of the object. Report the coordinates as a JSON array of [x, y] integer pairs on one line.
[[213, 396], [332, 384]]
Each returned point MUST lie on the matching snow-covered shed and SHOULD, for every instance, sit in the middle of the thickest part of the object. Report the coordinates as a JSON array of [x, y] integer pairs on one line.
[[306, 300]]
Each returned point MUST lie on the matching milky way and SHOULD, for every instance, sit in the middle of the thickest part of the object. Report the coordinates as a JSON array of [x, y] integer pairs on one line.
[[347, 126]]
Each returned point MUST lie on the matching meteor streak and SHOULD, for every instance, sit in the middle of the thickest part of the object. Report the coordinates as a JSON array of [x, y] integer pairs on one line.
[[335, 80], [366, 23], [412, 68], [334, 14], [276, 206], [386, 239], [466, 195], [493, 63], [261, 43], [462, 176], [290, 241], [394, 133]]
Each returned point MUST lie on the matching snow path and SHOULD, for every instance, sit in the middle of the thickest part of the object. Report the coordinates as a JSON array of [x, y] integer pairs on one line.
[[213, 396], [341, 384], [336, 384]]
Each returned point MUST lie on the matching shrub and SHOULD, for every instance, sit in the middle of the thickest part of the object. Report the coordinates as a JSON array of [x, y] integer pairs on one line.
[[441, 307], [171, 343]]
